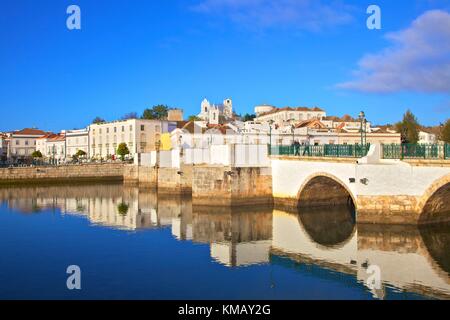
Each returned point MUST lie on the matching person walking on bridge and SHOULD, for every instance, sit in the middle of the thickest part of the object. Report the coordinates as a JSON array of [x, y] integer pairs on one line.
[[296, 148], [307, 144]]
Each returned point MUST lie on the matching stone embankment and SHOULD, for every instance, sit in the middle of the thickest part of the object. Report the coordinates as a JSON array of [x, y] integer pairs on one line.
[[62, 174]]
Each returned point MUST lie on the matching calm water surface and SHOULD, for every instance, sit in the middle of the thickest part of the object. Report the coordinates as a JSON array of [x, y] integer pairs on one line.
[[132, 244]]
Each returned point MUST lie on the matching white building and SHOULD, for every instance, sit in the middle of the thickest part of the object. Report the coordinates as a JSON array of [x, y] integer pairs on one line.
[[52, 147], [41, 144], [3, 147], [22, 143], [56, 148], [140, 136], [77, 140], [212, 113], [288, 114], [426, 137]]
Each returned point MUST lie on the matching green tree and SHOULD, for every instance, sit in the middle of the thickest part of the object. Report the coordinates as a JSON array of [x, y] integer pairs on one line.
[[37, 154], [248, 117], [409, 128], [131, 115], [80, 153], [159, 112], [445, 134], [122, 208], [98, 120], [122, 150], [194, 118]]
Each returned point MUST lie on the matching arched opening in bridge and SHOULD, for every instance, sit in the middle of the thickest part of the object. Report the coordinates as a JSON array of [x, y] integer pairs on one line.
[[437, 207], [324, 191]]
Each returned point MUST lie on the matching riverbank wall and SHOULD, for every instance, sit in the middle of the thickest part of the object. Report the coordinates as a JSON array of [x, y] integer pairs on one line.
[[209, 185], [62, 174]]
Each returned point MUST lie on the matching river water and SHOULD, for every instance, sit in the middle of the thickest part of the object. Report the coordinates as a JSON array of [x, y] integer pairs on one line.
[[130, 243]]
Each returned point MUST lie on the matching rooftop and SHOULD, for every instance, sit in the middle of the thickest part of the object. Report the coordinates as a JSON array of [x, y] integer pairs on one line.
[[29, 132], [304, 109]]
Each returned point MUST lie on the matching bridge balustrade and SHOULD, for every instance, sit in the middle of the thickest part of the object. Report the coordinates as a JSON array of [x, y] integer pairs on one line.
[[416, 151], [326, 150]]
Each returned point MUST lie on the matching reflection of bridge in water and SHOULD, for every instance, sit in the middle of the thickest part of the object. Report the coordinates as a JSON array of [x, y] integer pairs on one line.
[[410, 259]]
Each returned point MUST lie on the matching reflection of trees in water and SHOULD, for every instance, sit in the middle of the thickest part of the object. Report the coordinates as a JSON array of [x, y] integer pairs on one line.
[[437, 241], [328, 226]]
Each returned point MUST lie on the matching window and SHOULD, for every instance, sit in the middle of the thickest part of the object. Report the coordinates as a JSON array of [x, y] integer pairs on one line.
[[131, 127], [107, 130], [26, 142], [123, 128], [115, 129], [17, 142], [142, 127]]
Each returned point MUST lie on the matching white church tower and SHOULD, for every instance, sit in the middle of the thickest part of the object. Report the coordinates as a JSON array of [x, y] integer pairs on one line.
[[212, 113]]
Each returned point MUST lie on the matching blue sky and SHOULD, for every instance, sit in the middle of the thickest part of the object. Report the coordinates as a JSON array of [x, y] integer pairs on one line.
[[130, 55]]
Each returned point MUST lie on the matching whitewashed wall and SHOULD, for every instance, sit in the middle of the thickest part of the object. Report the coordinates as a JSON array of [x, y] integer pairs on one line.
[[238, 155]]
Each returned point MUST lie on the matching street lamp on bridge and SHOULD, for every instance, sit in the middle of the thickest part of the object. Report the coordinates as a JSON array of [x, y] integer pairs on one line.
[[363, 121]]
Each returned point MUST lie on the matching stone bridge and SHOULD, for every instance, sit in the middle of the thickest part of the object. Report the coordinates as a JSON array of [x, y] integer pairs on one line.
[[382, 191]]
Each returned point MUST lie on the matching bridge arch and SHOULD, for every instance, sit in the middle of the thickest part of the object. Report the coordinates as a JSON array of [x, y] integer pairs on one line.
[[324, 189], [434, 205]]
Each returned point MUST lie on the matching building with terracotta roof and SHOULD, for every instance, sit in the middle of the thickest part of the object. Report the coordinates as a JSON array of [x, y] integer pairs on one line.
[[52, 147], [347, 123], [22, 143]]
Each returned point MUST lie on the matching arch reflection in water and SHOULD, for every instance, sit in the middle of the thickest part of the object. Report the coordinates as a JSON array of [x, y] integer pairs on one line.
[[319, 236], [330, 227]]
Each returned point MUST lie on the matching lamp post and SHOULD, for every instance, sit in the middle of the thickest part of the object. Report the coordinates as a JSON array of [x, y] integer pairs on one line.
[[270, 137], [363, 121]]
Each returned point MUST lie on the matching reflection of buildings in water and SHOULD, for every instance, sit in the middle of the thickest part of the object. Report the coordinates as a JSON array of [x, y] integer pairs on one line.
[[109, 205], [238, 237]]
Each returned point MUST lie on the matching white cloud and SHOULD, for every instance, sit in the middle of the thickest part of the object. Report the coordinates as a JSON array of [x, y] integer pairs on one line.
[[312, 15], [417, 61]]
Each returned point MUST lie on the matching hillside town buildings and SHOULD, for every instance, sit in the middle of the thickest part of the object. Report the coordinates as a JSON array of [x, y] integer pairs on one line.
[[216, 124]]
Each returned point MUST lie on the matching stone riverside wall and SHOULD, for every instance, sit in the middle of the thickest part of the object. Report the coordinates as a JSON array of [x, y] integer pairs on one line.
[[231, 186], [209, 185], [60, 174], [166, 180]]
